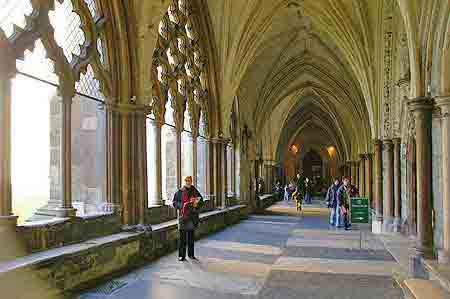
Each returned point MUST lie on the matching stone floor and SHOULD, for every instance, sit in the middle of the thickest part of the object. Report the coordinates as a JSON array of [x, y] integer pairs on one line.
[[276, 255]]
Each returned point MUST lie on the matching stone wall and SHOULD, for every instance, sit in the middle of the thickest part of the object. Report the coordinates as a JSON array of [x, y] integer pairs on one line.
[[84, 265], [37, 237]]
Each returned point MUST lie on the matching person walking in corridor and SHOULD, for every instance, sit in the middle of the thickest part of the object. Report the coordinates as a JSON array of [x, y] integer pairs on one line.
[[188, 202], [343, 200], [331, 200]]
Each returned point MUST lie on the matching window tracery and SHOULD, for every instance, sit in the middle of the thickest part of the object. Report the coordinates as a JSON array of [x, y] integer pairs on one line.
[[48, 68]]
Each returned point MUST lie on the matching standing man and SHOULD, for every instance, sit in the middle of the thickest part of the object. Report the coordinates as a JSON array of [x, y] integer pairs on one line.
[[343, 200], [331, 200], [188, 202]]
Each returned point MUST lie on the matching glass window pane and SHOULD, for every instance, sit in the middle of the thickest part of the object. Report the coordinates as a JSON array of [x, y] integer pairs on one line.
[[169, 162], [151, 157], [88, 156], [89, 85], [35, 136], [168, 117], [202, 164], [36, 64], [13, 12], [92, 7], [186, 154], [67, 26]]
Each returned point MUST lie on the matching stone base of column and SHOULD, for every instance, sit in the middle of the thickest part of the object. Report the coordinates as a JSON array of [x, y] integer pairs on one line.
[[7, 223], [444, 257], [397, 226], [377, 226], [51, 210], [416, 267], [11, 244], [388, 225]]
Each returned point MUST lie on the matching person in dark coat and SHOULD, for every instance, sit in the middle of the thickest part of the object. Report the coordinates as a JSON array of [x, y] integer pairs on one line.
[[331, 200], [343, 196], [188, 202]]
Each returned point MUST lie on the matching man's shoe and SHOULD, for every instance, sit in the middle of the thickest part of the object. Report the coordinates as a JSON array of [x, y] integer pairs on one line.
[[181, 259], [193, 258]]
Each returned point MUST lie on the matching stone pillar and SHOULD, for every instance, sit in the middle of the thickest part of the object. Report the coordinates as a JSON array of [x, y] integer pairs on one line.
[[388, 206], [140, 161], [368, 178], [194, 159], [362, 173], [421, 109], [7, 68], [352, 172], [378, 194], [210, 177], [158, 197], [444, 104], [412, 183], [397, 185], [223, 157], [179, 130]]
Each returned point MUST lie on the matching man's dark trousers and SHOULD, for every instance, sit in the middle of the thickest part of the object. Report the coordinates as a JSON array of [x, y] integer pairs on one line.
[[186, 239]]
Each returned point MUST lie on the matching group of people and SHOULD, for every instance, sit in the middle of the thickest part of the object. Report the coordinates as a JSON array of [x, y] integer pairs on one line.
[[299, 190], [188, 202], [338, 201]]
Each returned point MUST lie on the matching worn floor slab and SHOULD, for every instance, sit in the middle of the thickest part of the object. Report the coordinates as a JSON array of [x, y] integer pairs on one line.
[[275, 255]]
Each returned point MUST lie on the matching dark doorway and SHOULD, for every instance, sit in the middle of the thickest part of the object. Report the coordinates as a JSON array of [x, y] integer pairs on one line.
[[312, 165]]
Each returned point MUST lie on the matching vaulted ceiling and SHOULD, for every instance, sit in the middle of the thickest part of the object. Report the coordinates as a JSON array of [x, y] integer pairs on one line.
[[295, 62]]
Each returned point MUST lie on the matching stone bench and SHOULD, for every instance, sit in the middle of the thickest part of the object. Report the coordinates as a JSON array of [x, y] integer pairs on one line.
[[83, 265], [266, 200]]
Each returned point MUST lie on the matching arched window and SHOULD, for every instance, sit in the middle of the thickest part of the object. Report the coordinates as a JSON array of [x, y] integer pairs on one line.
[[35, 134], [179, 62], [36, 114]]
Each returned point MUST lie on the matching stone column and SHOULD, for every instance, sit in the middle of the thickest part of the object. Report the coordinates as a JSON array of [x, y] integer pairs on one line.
[[444, 104], [158, 197], [7, 68], [194, 159], [368, 177], [362, 173], [357, 178], [422, 108], [397, 185], [223, 158], [352, 173], [412, 183], [388, 206], [140, 161], [210, 177], [179, 164], [378, 194]]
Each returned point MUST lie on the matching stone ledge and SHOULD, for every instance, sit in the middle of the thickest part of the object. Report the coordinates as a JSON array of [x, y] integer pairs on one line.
[[425, 289], [264, 201], [83, 265], [438, 272]]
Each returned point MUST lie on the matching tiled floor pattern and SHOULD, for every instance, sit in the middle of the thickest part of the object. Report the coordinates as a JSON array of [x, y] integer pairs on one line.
[[277, 255]]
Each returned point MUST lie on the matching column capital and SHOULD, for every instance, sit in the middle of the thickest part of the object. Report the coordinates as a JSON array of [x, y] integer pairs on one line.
[[397, 142], [377, 143], [368, 156], [362, 156], [443, 102], [388, 144], [420, 104]]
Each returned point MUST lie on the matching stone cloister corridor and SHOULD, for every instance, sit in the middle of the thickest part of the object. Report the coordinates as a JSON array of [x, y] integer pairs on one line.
[[108, 106]]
